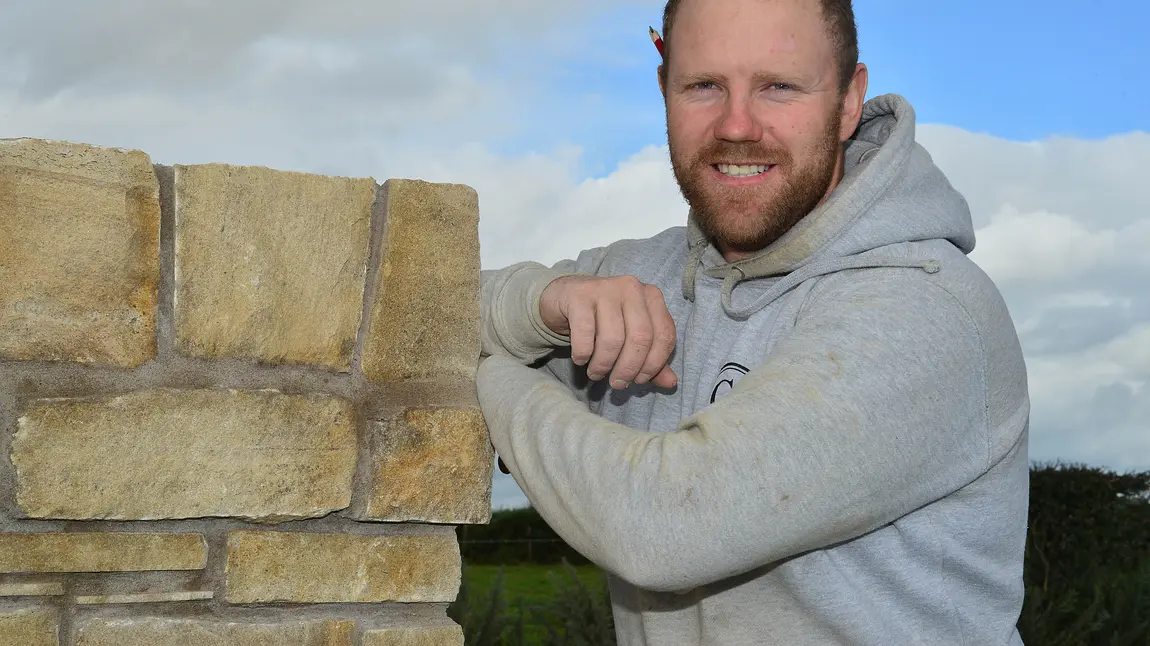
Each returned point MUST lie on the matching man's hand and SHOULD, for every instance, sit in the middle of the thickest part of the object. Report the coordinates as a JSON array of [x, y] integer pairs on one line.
[[617, 325]]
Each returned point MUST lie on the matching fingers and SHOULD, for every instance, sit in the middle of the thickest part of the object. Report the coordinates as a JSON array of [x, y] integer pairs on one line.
[[610, 335], [618, 326], [582, 322], [639, 335], [666, 378], [663, 339]]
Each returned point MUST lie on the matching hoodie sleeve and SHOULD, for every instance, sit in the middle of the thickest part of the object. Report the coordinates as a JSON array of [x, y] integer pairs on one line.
[[509, 306], [873, 406]]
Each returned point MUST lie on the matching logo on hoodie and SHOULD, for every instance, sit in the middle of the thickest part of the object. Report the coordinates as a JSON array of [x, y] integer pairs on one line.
[[729, 374]]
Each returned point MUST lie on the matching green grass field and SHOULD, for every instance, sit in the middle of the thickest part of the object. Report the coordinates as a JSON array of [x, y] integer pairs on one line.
[[545, 600], [528, 581]]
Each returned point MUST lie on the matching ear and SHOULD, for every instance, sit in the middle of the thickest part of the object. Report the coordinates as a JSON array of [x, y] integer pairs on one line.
[[662, 86], [853, 100]]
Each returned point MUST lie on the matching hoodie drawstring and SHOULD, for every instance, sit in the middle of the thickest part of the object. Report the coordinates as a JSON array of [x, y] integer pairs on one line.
[[694, 257]]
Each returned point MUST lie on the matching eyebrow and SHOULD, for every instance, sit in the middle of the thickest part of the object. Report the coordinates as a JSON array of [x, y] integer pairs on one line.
[[759, 79]]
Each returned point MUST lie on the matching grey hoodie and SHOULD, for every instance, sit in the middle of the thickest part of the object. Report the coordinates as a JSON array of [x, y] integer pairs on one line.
[[844, 460]]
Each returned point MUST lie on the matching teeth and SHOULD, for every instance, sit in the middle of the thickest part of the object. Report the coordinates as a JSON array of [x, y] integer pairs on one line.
[[741, 171]]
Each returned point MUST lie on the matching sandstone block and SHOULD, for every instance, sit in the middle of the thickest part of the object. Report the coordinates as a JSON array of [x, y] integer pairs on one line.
[[425, 319], [167, 454], [155, 631], [30, 627], [437, 636], [429, 465], [79, 253], [41, 589], [101, 552], [286, 567], [270, 265], [145, 597]]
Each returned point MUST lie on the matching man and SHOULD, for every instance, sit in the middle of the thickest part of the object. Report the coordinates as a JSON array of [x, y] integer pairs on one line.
[[802, 418]]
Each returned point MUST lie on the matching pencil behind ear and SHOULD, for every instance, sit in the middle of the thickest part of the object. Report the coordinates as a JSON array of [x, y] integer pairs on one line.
[[657, 39]]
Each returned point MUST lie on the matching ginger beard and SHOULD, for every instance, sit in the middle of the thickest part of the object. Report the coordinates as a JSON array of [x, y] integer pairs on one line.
[[747, 219]]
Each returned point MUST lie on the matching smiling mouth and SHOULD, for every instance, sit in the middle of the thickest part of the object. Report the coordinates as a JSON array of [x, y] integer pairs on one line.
[[743, 170]]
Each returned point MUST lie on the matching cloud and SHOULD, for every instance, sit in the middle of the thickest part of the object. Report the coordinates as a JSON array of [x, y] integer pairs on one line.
[[67, 44], [505, 494], [541, 207], [330, 87], [1041, 246]]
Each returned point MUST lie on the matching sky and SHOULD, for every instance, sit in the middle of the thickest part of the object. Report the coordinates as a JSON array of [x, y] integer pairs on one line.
[[1038, 111]]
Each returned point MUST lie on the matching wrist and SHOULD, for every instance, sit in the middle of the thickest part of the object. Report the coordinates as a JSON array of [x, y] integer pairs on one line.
[[535, 309], [550, 313]]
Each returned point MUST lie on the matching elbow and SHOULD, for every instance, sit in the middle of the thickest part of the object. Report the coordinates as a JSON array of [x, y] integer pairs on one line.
[[664, 579], [650, 571]]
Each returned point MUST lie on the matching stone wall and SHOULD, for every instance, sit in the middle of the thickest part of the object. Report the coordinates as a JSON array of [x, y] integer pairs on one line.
[[237, 405]]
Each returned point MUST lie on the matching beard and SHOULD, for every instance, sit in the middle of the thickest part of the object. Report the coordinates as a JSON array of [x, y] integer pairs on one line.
[[746, 220]]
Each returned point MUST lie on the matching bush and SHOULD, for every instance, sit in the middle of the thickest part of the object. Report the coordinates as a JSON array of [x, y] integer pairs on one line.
[[1101, 607], [1087, 568], [1085, 519]]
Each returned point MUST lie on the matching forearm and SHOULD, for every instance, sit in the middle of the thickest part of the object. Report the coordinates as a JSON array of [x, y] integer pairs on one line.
[[509, 312]]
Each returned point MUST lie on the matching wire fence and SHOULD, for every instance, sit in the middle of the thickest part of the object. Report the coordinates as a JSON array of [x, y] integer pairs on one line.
[[492, 551], [509, 540]]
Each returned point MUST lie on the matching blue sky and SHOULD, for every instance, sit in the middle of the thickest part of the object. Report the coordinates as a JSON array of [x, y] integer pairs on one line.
[[1017, 69], [1039, 112], [1020, 70]]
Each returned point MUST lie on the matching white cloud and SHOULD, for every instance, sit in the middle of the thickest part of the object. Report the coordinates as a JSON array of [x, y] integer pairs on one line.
[[68, 43], [539, 207], [1041, 246], [1100, 183], [333, 87]]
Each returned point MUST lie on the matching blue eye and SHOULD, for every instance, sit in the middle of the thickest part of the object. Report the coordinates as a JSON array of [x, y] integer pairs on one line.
[[702, 85]]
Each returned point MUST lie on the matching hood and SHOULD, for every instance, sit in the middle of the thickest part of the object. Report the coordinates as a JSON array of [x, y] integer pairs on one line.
[[891, 193]]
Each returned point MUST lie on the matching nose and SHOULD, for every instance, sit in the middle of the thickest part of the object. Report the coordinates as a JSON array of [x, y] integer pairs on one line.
[[738, 122]]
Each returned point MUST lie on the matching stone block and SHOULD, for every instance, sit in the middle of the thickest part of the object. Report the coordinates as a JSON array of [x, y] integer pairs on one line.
[[170, 454], [33, 626], [145, 597], [429, 465], [270, 265], [35, 589], [434, 636], [156, 631], [101, 552], [425, 319], [288, 567], [79, 253]]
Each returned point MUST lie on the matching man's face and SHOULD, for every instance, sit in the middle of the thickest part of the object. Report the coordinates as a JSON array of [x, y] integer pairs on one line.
[[754, 116]]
